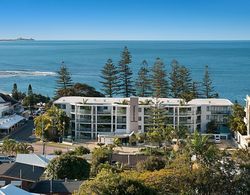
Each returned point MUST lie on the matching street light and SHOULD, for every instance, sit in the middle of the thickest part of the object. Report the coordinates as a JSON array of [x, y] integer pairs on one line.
[[63, 130]]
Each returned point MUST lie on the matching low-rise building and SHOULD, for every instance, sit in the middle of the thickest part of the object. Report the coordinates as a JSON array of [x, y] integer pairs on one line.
[[10, 114], [93, 116]]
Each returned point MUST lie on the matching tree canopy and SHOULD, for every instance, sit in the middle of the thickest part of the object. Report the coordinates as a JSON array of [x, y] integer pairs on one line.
[[68, 166]]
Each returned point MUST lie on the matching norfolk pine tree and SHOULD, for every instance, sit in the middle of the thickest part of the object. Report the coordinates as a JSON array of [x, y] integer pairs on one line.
[[143, 82], [208, 89], [125, 84], [180, 81], [109, 78], [14, 93], [174, 79], [64, 80], [159, 80]]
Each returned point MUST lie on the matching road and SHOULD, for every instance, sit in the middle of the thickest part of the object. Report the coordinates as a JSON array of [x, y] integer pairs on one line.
[[24, 132]]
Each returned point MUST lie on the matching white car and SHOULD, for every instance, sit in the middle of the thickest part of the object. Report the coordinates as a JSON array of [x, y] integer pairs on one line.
[[217, 139]]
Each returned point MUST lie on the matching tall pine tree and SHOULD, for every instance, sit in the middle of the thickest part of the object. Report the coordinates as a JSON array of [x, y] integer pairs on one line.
[[143, 82], [63, 80], [30, 97], [180, 81], [175, 79], [185, 83], [15, 93], [125, 85], [159, 80], [109, 78], [207, 87]]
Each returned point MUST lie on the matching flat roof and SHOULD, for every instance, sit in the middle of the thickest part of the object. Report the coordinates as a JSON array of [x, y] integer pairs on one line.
[[106, 100], [211, 101]]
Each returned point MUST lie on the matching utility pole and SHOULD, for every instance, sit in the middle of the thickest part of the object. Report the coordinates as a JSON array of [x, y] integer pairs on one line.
[[43, 136]]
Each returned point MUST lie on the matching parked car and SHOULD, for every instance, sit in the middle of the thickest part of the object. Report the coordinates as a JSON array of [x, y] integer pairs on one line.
[[217, 139], [6, 159]]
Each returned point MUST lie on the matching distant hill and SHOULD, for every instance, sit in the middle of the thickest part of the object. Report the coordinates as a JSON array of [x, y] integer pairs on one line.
[[18, 39]]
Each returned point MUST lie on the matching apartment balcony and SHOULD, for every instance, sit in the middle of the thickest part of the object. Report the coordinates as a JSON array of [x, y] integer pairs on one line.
[[121, 112], [104, 129], [186, 122], [186, 113], [121, 121], [85, 129], [84, 121], [198, 112], [221, 112], [104, 121], [198, 121], [104, 112], [84, 112]]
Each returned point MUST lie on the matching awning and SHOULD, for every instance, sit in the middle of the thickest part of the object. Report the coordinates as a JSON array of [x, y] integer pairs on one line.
[[9, 121]]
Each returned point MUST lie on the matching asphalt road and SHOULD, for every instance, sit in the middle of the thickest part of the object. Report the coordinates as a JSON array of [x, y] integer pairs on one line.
[[24, 132]]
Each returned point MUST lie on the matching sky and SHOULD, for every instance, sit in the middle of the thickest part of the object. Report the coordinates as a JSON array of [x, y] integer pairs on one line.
[[125, 19]]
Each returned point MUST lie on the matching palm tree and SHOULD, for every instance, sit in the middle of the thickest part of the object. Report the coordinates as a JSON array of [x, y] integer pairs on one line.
[[200, 148], [24, 148]]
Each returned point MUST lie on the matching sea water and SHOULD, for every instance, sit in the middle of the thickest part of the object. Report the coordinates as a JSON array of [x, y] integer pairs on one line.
[[36, 62]]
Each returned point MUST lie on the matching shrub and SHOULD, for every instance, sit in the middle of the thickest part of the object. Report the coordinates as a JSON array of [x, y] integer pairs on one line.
[[151, 164]]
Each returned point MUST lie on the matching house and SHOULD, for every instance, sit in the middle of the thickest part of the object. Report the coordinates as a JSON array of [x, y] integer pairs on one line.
[[27, 174], [12, 189], [62, 187], [10, 114], [93, 117], [28, 168]]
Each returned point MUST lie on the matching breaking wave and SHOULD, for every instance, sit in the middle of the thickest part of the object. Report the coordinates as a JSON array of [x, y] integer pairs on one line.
[[24, 73]]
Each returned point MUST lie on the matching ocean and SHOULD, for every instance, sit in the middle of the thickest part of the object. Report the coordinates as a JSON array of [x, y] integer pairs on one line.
[[35, 62]]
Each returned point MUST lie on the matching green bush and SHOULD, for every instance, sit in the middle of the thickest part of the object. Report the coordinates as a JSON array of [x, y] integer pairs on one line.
[[151, 164], [81, 150], [57, 152]]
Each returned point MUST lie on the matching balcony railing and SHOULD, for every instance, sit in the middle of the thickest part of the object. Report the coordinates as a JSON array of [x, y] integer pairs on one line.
[[104, 129], [84, 111], [121, 111], [103, 120], [186, 121], [84, 129], [186, 113], [84, 120]]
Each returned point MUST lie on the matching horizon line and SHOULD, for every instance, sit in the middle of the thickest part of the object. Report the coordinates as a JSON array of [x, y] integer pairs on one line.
[[139, 39]]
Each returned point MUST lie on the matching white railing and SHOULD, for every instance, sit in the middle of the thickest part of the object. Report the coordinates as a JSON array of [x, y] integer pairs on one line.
[[241, 140]]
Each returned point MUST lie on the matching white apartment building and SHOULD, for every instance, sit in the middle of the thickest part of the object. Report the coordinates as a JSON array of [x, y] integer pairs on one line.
[[247, 118], [93, 116]]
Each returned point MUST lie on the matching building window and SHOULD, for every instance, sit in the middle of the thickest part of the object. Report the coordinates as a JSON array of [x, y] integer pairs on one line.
[[208, 108], [139, 118], [207, 117], [139, 109]]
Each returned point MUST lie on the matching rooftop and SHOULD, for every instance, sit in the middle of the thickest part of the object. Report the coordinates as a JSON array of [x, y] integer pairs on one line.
[[106, 100], [5, 98], [211, 101], [20, 170], [60, 187], [34, 159], [9, 121]]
